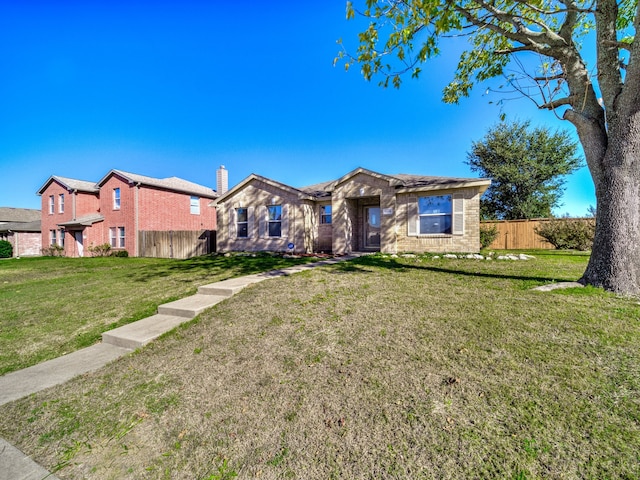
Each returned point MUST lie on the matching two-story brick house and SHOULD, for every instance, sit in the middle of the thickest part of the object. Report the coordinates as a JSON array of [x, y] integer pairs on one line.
[[77, 214]]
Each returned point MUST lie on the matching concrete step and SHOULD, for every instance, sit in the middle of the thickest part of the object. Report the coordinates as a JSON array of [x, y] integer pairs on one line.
[[228, 287], [137, 334], [189, 307]]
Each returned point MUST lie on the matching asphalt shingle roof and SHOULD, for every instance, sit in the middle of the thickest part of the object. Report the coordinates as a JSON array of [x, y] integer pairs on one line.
[[171, 183], [10, 214]]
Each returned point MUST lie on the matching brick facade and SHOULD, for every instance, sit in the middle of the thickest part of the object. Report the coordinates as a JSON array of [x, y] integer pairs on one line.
[[370, 212], [92, 218]]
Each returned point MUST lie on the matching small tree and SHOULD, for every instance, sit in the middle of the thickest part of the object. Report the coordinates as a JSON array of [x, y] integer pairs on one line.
[[526, 167], [6, 249]]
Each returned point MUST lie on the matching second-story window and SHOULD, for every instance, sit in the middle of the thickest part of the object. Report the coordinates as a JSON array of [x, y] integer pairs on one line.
[[116, 199], [61, 203], [195, 205], [52, 204]]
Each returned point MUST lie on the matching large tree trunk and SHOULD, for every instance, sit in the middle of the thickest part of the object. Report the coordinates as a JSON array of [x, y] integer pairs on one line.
[[615, 258]]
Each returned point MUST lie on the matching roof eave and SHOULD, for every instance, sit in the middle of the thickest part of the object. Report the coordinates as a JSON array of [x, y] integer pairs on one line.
[[481, 184]]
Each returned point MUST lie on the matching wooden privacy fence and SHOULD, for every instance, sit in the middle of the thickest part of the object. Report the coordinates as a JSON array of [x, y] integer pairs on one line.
[[176, 243], [519, 234]]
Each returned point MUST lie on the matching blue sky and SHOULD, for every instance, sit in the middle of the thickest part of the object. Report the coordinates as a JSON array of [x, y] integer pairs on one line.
[[169, 88]]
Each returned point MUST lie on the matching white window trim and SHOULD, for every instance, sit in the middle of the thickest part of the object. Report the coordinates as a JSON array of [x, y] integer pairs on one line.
[[121, 237], [52, 204], [269, 222], [194, 205], [457, 216], [116, 198], [112, 236], [61, 203]]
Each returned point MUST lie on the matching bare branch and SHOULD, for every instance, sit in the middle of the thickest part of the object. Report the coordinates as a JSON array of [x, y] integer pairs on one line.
[[553, 104]]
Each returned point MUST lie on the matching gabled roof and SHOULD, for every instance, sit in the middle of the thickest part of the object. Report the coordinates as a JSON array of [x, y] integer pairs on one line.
[[70, 184], [20, 226], [172, 183], [85, 221], [402, 182], [10, 214], [302, 195]]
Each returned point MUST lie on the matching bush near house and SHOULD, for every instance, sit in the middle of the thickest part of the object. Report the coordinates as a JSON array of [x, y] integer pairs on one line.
[[568, 233], [53, 251], [6, 249], [487, 235]]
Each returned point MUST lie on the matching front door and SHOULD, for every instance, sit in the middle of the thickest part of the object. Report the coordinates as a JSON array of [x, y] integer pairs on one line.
[[79, 245], [372, 227]]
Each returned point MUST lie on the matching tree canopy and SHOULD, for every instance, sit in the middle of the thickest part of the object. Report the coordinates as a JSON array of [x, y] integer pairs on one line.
[[542, 48], [526, 167]]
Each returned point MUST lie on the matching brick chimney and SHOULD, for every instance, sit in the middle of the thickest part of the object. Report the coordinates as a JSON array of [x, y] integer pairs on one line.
[[222, 180]]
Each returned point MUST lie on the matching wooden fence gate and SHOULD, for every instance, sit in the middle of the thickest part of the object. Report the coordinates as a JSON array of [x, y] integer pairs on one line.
[[176, 243]]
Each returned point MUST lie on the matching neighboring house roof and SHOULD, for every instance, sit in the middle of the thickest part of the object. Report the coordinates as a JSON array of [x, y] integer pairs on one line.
[[172, 183], [303, 195], [84, 221], [10, 214], [20, 227], [70, 184]]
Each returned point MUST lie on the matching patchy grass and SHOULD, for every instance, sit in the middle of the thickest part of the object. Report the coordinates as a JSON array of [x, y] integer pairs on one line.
[[374, 368], [52, 306]]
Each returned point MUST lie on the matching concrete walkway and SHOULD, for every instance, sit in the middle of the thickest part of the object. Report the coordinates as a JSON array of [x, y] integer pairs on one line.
[[14, 465]]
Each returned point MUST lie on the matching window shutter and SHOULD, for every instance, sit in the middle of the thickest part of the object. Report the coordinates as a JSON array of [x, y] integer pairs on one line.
[[250, 222], [233, 219], [412, 216], [263, 214], [284, 225], [458, 214]]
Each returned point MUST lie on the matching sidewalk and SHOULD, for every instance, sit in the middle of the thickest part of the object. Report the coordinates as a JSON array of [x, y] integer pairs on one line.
[[14, 465]]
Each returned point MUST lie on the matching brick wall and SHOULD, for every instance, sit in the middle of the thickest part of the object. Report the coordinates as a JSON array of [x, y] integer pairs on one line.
[[258, 195], [469, 242]]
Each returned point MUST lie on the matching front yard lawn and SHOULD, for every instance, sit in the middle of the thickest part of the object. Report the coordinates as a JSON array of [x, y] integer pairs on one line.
[[380, 367], [52, 306]]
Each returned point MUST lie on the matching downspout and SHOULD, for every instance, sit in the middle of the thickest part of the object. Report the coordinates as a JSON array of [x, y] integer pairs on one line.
[[74, 193], [135, 216]]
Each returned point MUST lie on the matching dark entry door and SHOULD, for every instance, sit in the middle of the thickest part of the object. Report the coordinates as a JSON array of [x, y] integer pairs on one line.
[[372, 227]]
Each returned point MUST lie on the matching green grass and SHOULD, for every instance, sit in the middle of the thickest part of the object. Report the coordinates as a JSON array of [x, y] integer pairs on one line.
[[52, 306], [379, 367]]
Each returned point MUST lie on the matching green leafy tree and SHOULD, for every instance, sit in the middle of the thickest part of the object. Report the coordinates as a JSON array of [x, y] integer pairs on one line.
[[541, 47], [526, 168]]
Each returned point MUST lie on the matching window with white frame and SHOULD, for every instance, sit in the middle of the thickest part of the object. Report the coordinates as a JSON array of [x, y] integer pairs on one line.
[[53, 234], [61, 203], [242, 222], [52, 204], [325, 214], [116, 198], [195, 205], [434, 214], [275, 220], [62, 237], [120, 237], [112, 237]]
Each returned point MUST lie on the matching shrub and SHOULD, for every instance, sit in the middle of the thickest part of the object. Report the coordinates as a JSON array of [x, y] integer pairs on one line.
[[53, 251], [103, 250], [488, 235], [6, 249], [120, 253], [568, 233]]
